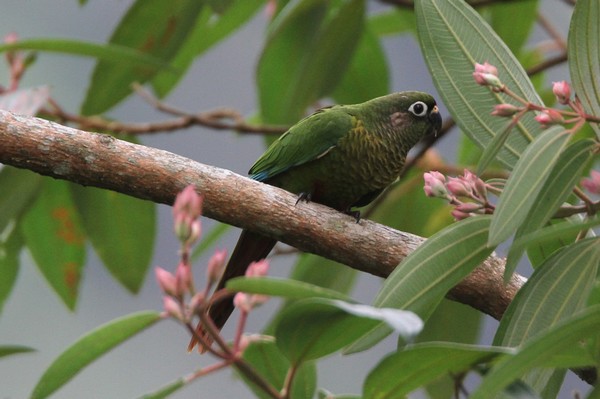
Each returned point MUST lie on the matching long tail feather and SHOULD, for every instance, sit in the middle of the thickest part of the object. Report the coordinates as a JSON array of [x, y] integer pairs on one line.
[[251, 247]]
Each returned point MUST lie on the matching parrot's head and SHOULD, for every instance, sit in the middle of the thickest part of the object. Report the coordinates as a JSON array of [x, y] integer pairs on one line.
[[415, 111]]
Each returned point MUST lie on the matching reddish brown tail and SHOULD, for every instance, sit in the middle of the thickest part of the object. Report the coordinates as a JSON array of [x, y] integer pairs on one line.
[[251, 247]]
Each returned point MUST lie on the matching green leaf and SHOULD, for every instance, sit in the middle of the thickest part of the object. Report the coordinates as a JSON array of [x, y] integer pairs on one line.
[[121, 229], [89, 348], [52, 232], [209, 29], [316, 40], [393, 22], [422, 280], [319, 272], [268, 360], [453, 37], [401, 373], [291, 289], [451, 322], [552, 348], [367, 76], [555, 232], [20, 190], [11, 244], [490, 152], [9, 350], [556, 290], [310, 328], [584, 56], [555, 191], [325, 394], [524, 184], [514, 22], [109, 53], [167, 390], [155, 27]]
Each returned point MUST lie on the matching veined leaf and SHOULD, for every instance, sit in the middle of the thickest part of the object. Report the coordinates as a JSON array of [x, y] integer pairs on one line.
[[89, 348], [53, 234], [555, 231], [268, 360], [154, 27], [551, 348], [524, 184], [121, 229], [453, 38], [319, 272], [316, 40], [556, 290], [584, 56], [286, 288], [450, 322], [310, 328], [422, 280], [401, 373], [559, 184]]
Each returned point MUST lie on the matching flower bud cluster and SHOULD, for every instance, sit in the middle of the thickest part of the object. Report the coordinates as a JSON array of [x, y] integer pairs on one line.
[[467, 193]]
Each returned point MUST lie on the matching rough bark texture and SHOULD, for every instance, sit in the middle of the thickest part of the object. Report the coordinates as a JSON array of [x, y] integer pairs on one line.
[[99, 160]]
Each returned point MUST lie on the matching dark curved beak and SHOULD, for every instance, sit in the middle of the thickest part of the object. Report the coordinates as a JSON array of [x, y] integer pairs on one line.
[[436, 120]]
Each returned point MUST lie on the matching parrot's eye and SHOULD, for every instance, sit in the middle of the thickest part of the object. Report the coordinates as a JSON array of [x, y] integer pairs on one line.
[[418, 109]]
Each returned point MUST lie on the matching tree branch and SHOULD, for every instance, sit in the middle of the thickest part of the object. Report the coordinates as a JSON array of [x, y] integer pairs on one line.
[[100, 160]]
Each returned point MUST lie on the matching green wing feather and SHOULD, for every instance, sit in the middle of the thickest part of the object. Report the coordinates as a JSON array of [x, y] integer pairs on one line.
[[306, 141]]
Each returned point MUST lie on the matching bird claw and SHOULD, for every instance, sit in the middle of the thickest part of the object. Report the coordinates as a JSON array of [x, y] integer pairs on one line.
[[306, 197], [354, 214]]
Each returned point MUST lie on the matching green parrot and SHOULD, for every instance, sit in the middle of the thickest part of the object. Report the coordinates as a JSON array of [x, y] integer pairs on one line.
[[343, 157]]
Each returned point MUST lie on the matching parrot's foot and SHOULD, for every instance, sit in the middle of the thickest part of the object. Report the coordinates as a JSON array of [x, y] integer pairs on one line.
[[354, 214], [306, 197]]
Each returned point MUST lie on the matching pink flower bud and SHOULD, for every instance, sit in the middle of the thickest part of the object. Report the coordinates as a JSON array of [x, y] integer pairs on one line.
[[197, 302], [486, 75], [469, 207], [241, 300], [549, 117], [182, 226], [562, 91], [458, 215], [166, 281], [435, 184], [458, 188], [592, 183], [188, 202], [505, 110], [258, 269], [183, 279], [465, 209], [216, 264], [172, 307], [486, 68]]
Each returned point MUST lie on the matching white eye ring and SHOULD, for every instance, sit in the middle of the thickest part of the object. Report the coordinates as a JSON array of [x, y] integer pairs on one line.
[[418, 108]]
